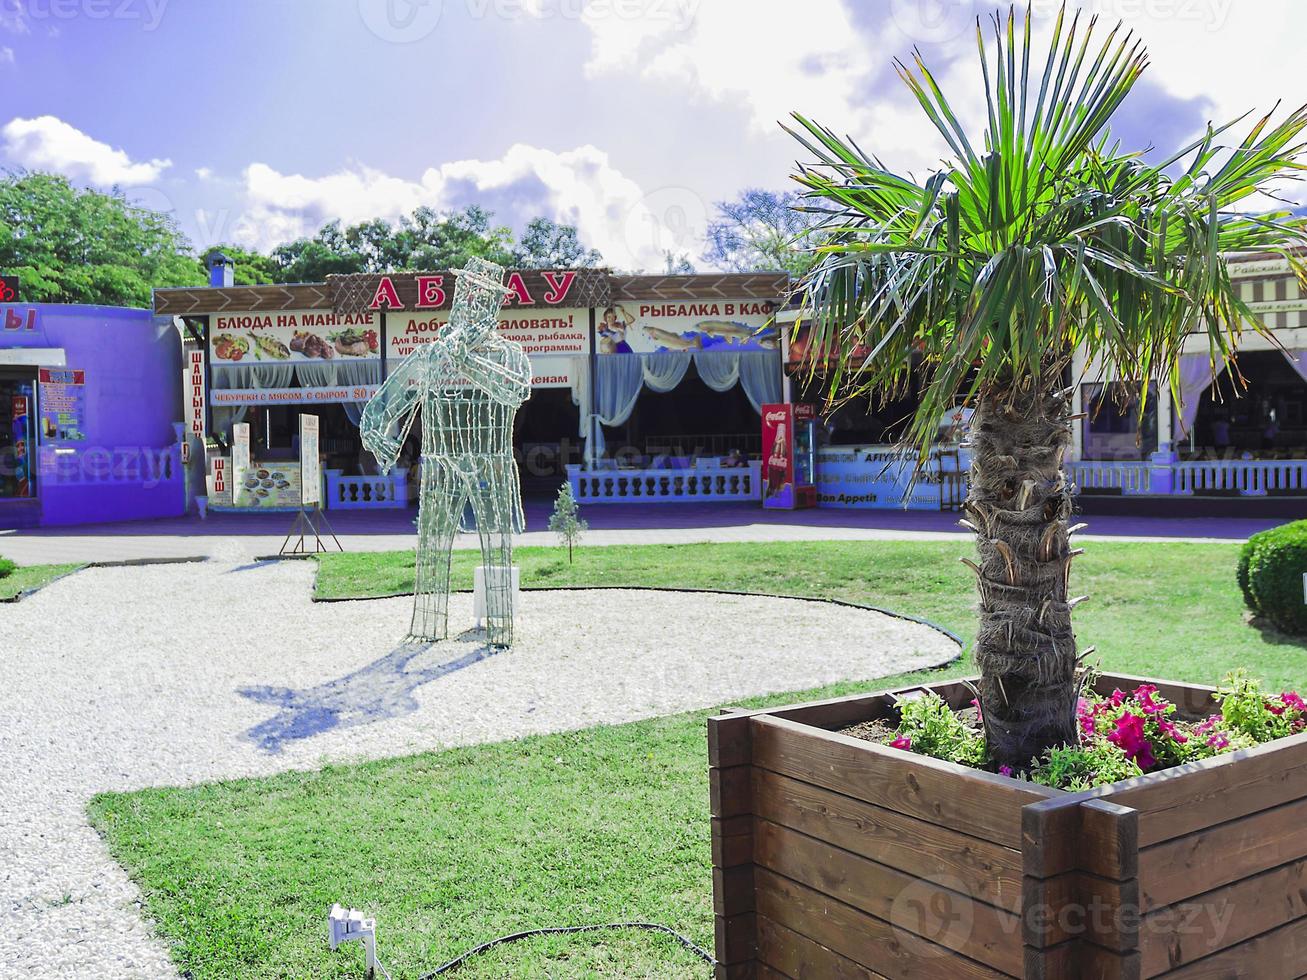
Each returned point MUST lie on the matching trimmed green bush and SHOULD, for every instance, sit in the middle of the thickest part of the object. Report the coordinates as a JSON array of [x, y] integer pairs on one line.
[[6, 567], [1277, 560], [1241, 570]]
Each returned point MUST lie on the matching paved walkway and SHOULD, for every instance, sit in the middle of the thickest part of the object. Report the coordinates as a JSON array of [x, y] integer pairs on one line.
[[239, 537]]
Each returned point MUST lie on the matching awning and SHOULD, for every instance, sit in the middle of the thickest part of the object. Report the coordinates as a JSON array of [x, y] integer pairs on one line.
[[34, 356]]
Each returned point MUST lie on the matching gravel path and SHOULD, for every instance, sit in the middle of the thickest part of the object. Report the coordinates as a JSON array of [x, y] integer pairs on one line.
[[121, 678]]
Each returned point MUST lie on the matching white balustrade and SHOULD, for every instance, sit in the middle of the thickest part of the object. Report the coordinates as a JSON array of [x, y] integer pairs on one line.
[[705, 482], [366, 492], [1253, 477], [1128, 477]]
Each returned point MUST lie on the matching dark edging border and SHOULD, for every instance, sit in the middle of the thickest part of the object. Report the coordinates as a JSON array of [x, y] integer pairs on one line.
[[847, 603], [123, 563]]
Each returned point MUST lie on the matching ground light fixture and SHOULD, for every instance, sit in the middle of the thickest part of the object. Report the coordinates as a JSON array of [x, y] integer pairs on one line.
[[349, 925]]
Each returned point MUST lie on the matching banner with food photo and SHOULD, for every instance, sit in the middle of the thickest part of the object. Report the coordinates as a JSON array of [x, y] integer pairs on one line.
[[270, 486], [650, 326], [293, 337]]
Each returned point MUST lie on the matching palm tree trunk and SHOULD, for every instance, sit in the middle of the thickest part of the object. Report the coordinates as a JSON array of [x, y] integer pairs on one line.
[[1018, 505]]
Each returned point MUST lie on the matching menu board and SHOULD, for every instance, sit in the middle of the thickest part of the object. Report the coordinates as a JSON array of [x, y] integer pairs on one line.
[[270, 486], [310, 462], [63, 405]]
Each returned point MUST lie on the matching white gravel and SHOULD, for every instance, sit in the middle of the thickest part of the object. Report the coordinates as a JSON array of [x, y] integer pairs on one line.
[[116, 679]]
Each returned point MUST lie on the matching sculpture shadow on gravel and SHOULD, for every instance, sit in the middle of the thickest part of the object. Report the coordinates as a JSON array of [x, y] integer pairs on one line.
[[382, 689]]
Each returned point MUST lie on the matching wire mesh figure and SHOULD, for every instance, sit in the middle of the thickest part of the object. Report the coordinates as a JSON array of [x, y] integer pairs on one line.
[[467, 386]]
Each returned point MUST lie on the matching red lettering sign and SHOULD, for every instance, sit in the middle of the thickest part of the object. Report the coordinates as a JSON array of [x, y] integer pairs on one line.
[[430, 293], [518, 287], [386, 293], [559, 284]]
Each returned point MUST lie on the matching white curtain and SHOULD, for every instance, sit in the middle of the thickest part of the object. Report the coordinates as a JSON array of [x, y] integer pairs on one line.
[[719, 370], [1298, 361], [316, 374], [760, 376], [253, 376], [1197, 372], [663, 371]]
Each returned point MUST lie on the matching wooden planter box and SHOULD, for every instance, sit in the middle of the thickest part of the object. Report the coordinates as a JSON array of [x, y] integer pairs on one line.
[[835, 857]]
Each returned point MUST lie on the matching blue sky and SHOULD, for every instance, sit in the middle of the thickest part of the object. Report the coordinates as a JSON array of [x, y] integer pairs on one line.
[[258, 120]]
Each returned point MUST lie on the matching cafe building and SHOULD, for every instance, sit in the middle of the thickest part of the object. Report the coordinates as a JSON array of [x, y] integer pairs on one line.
[[643, 387], [89, 409]]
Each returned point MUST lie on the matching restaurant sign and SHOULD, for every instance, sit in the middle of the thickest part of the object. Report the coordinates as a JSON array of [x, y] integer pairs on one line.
[[296, 336], [550, 338], [230, 397], [649, 326], [418, 291]]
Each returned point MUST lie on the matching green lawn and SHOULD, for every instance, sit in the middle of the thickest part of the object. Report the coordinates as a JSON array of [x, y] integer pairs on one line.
[[449, 849], [26, 577]]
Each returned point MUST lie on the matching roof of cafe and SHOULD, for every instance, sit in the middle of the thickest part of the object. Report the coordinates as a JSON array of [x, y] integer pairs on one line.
[[585, 288]]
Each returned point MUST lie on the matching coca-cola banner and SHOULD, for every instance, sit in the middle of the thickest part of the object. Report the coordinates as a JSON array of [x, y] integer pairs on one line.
[[293, 337]]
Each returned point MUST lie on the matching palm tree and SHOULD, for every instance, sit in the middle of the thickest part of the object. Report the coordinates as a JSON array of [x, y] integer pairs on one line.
[[1041, 238]]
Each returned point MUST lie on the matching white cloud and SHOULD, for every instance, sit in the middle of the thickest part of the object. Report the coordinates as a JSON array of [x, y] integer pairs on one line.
[[49, 143], [204, 173], [580, 187], [6, 56], [13, 18]]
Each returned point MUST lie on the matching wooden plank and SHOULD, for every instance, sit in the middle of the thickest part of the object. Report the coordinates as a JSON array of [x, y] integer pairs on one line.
[[1080, 832], [736, 937], [732, 841], [728, 739], [1188, 798], [1188, 866], [979, 803], [1080, 961], [1275, 955], [728, 791], [863, 938], [1191, 699], [732, 890], [986, 871], [793, 954], [850, 709], [1187, 931], [929, 909]]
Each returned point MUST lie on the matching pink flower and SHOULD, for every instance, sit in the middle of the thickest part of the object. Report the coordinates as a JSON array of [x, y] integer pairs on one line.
[[1169, 729], [1205, 726], [902, 742], [1218, 740], [1005, 770], [1291, 699], [1117, 699], [1144, 695], [1085, 712], [1275, 709], [1128, 735], [979, 714]]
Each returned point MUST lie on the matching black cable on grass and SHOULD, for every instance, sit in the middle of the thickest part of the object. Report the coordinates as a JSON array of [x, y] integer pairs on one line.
[[458, 961]]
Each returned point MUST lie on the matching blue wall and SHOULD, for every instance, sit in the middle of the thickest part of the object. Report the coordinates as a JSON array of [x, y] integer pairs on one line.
[[128, 465]]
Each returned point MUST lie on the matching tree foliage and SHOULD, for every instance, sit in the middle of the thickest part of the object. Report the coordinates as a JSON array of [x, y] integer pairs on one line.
[[69, 245], [1042, 235], [546, 244], [758, 231]]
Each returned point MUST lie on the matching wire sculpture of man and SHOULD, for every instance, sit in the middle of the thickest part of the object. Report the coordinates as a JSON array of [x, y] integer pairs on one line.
[[466, 386]]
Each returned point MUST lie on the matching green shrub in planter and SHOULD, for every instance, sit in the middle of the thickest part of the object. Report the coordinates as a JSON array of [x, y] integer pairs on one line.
[[6, 567], [1276, 562], [1241, 570]]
